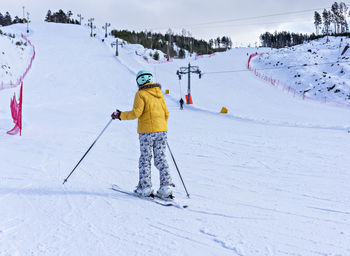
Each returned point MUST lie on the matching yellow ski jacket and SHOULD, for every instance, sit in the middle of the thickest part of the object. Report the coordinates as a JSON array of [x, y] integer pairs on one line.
[[150, 109]]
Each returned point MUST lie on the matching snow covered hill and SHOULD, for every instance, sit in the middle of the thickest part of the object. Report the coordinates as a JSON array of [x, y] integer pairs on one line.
[[15, 55], [268, 178], [319, 69]]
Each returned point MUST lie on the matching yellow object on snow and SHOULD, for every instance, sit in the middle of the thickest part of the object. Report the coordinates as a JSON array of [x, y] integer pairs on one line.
[[167, 91], [224, 110]]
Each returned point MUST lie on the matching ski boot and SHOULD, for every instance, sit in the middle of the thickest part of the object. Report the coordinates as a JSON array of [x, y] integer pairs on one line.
[[144, 192], [165, 192]]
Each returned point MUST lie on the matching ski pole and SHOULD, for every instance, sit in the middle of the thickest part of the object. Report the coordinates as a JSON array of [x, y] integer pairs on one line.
[[188, 195], [88, 151]]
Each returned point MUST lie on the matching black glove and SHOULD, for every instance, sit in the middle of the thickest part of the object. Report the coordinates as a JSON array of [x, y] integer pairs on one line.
[[116, 114]]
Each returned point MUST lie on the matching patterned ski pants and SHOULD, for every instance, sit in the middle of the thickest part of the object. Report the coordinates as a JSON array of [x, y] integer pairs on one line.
[[156, 143]]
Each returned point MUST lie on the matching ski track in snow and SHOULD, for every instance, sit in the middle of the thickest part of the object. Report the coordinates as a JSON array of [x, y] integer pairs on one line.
[[269, 178]]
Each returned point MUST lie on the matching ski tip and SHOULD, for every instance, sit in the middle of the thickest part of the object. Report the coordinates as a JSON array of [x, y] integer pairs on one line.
[[115, 186]]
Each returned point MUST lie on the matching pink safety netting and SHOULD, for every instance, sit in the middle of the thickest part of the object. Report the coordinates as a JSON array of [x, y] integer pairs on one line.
[[204, 55], [288, 89], [16, 107], [16, 112], [152, 61]]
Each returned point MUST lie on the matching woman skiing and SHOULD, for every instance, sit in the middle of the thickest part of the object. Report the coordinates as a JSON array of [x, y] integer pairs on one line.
[[152, 113]]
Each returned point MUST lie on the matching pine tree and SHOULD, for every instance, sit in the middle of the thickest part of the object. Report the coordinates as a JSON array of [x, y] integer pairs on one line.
[[48, 17], [7, 19], [317, 22], [326, 21], [224, 42], [69, 14], [211, 43], [343, 11], [218, 42], [335, 17], [181, 54], [1, 19], [61, 16], [156, 55], [17, 20], [229, 43]]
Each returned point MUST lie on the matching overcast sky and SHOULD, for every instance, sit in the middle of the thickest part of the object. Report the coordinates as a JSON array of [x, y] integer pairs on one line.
[[204, 19]]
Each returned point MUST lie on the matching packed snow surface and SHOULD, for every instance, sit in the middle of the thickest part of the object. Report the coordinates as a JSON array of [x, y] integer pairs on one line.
[[271, 177]]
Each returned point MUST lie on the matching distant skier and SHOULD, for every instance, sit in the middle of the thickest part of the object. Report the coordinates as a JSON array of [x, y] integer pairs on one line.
[[152, 113], [181, 104]]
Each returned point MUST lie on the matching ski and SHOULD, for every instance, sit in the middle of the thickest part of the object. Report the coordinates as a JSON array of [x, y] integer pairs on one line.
[[172, 201], [153, 199]]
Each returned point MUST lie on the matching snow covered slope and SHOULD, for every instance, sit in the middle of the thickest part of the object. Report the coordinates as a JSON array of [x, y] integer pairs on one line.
[[319, 69], [15, 55], [269, 178]]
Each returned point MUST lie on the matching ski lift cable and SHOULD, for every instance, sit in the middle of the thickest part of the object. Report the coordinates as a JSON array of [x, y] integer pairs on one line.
[[248, 18]]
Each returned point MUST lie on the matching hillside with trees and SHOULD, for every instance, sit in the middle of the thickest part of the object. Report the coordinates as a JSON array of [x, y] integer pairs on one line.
[[6, 20], [329, 22], [179, 44], [282, 39], [60, 17]]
